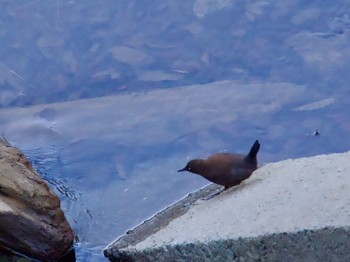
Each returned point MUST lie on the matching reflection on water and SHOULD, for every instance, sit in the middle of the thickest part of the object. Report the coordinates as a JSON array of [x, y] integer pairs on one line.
[[45, 162], [167, 82]]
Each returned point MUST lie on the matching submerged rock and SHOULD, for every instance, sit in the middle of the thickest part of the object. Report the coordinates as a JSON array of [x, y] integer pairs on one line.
[[31, 220]]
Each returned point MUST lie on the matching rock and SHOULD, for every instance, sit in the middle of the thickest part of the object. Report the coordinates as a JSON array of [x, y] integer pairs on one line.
[[32, 222]]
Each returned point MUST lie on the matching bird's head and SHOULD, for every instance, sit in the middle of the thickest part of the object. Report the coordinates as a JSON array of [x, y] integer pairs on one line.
[[192, 166]]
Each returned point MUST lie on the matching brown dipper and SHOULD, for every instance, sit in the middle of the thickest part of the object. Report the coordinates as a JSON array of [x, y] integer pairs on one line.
[[224, 168]]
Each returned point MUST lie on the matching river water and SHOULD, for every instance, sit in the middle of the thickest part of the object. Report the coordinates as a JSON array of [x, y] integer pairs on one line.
[[109, 98]]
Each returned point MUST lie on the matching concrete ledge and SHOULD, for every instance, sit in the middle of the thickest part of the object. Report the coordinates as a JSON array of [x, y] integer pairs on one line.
[[161, 219], [293, 210], [327, 244]]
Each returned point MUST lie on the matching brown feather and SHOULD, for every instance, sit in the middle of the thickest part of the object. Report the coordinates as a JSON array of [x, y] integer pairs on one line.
[[224, 168]]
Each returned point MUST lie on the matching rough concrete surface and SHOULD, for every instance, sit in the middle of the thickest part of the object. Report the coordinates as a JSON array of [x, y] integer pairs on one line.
[[293, 210]]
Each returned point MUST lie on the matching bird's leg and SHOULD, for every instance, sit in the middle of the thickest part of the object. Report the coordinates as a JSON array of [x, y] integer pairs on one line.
[[217, 193], [222, 190]]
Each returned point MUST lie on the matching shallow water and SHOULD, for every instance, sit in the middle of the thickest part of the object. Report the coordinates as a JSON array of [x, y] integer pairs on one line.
[[109, 100]]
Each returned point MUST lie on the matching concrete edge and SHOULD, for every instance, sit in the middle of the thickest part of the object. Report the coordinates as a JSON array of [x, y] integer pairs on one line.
[[160, 220], [326, 244]]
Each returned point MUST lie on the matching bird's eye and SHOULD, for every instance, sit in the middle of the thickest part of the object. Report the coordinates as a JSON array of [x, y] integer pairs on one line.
[[189, 169]]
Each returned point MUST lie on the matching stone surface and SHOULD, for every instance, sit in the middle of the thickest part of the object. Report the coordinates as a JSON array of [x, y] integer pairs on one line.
[[32, 222], [299, 209], [327, 244]]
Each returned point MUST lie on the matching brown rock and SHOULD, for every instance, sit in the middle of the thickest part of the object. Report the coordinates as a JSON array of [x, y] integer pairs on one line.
[[31, 220]]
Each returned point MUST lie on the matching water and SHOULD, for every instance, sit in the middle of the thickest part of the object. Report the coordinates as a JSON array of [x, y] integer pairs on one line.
[[108, 99]]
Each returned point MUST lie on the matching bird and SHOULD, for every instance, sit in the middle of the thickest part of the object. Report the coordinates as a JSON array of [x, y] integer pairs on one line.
[[224, 168]]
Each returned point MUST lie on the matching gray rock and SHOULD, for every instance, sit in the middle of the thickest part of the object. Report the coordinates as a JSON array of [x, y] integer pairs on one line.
[[327, 244], [32, 222]]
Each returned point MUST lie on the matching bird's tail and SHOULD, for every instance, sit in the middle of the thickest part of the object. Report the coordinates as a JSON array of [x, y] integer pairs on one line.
[[254, 150]]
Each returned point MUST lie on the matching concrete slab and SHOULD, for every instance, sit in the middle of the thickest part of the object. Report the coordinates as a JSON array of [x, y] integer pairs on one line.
[[303, 203]]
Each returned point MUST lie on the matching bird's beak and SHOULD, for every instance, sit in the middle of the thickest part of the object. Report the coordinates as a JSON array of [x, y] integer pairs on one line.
[[181, 170]]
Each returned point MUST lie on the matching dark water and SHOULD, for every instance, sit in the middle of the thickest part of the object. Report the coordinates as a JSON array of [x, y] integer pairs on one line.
[[109, 98]]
